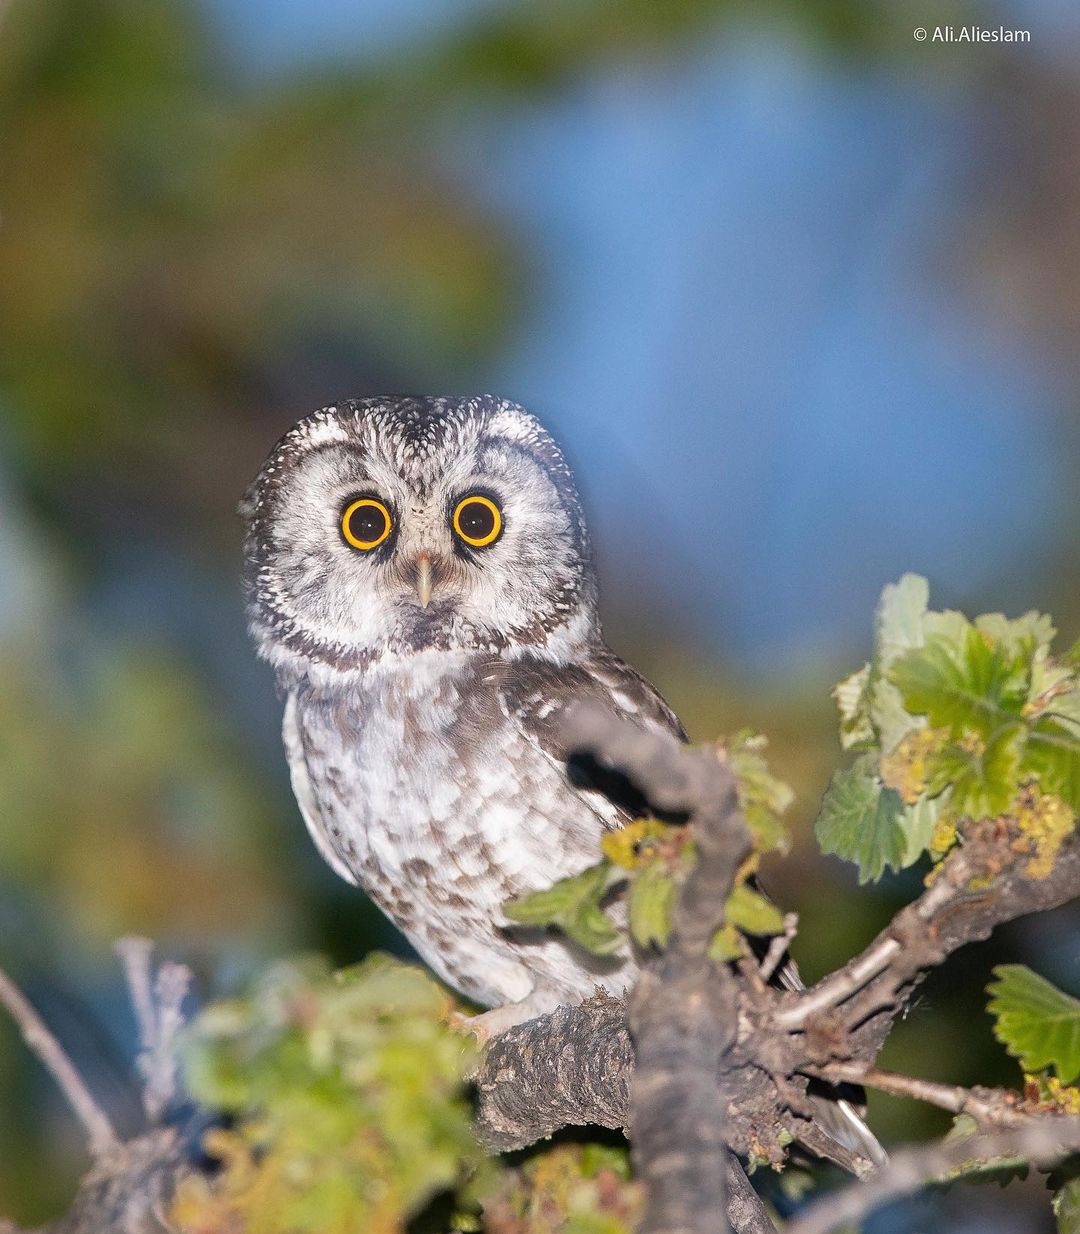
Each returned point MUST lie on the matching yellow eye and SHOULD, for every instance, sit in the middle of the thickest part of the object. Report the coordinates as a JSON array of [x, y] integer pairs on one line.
[[477, 520], [365, 523]]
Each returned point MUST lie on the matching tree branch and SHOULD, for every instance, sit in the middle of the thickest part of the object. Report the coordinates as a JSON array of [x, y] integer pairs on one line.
[[744, 1207], [576, 1066], [985, 881], [987, 1105], [569, 1068], [157, 1007], [1043, 1141], [129, 1185], [682, 1011], [722, 1060], [101, 1138]]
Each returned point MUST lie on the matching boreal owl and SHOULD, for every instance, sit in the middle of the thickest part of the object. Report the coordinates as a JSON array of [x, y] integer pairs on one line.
[[418, 573]]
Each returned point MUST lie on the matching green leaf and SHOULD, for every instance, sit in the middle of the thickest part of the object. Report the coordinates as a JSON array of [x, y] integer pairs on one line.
[[947, 624], [1055, 691], [726, 944], [898, 628], [1024, 636], [552, 904], [592, 929], [898, 623], [764, 798], [573, 906], [1066, 1204], [652, 896], [918, 825], [861, 821], [753, 913], [331, 1079], [853, 701], [1053, 754], [983, 780], [1035, 1021], [962, 685]]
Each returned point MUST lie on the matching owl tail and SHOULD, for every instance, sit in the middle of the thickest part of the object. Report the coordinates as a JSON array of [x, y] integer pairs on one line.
[[837, 1107], [837, 1113]]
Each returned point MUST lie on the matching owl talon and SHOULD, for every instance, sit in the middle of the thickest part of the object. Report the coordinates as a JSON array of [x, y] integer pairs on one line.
[[499, 1020], [459, 1022]]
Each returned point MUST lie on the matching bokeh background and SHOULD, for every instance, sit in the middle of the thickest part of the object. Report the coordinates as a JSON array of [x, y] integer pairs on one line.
[[800, 295]]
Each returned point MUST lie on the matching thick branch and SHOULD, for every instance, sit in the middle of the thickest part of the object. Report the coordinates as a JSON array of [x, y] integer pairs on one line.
[[569, 1068], [744, 1207], [683, 1009], [128, 1193], [1043, 1141], [983, 883], [575, 1066]]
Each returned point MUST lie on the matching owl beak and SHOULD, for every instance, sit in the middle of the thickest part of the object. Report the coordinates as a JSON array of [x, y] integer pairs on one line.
[[423, 580]]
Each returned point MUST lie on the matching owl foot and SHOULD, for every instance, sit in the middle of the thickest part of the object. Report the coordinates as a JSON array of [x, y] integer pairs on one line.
[[493, 1023], [474, 1024]]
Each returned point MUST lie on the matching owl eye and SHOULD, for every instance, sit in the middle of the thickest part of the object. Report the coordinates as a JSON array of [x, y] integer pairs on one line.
[[365, 523], [477, 520]]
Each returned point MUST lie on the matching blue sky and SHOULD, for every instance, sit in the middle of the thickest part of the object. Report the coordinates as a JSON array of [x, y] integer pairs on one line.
[[742, 324]]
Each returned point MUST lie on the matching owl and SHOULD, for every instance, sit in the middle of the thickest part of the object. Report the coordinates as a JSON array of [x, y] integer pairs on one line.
[[418, 574]]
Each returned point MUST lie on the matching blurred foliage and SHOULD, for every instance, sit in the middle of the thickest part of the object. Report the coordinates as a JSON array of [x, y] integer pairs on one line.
[[166, 234], [347, 1093], [1067, 1207], [121, 751], [175, 242], [566, 1189]]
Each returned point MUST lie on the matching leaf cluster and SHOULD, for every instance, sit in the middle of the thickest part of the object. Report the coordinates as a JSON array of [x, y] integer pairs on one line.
[[347, 1103], [953, 719], [568, 1189], [645, 862]]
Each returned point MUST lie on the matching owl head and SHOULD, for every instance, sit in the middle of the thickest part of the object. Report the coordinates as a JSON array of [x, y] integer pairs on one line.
[[383, 527]]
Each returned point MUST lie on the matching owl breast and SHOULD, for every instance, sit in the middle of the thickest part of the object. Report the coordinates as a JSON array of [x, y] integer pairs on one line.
[[418, 782]]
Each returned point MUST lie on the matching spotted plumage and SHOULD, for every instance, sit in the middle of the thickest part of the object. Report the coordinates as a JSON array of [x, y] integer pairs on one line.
[[426, 656], [423, 738]]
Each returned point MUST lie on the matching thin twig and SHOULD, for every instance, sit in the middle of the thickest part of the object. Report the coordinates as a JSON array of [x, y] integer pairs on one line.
[[778, 947], [840, 985], [822, 1145], [1043, 1141], [101, 1137], [157, 1011], [135, 953], [991, 1105], [173, 982]]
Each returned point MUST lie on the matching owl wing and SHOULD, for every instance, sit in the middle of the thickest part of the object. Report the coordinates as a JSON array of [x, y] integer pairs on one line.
[[536, 693], [293, 737]]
